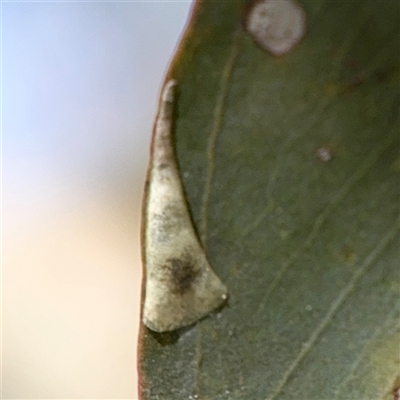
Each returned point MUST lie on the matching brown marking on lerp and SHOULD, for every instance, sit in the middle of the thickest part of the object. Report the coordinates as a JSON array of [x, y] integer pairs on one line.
[[396, 389], [183, 274]]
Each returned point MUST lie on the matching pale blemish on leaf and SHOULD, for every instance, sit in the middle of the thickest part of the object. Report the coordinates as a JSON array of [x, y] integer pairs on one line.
[[324, 154], [276, 25]]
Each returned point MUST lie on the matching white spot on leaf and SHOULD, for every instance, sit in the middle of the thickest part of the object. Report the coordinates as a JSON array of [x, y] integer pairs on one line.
[[276, 25], [324, 154]]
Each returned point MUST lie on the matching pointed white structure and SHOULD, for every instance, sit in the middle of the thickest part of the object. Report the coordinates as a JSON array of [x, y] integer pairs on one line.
[[181, 287]]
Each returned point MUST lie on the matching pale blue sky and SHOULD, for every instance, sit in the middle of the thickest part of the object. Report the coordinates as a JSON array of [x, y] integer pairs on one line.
[[80, 82]]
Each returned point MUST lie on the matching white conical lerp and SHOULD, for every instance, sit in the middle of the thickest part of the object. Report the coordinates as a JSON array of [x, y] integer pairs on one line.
[[181, 287]]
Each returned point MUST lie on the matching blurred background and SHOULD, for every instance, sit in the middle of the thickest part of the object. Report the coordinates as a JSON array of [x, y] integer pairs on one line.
[[80, 82]]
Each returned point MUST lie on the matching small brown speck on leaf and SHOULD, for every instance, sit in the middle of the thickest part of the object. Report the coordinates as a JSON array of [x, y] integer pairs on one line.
[[348, 253], [353, 83]]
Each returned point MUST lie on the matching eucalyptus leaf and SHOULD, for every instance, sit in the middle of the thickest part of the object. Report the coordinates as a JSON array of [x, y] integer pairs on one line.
[[291, 171]]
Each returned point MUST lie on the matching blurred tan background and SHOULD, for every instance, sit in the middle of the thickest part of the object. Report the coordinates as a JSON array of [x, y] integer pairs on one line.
[[80, 82]]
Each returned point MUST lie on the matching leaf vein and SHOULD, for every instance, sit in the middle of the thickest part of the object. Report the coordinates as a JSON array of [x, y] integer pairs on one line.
[[350, 375], [340, 299], [323, 216], [217, 123]]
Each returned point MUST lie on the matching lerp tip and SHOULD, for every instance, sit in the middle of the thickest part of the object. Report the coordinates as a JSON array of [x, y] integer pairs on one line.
[[168, 92]]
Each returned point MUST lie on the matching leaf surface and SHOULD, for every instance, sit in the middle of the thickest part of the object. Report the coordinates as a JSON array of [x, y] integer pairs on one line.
[[291, 170]]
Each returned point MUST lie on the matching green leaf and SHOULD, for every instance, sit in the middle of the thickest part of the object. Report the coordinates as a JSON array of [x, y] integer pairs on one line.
[[291, 169]]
